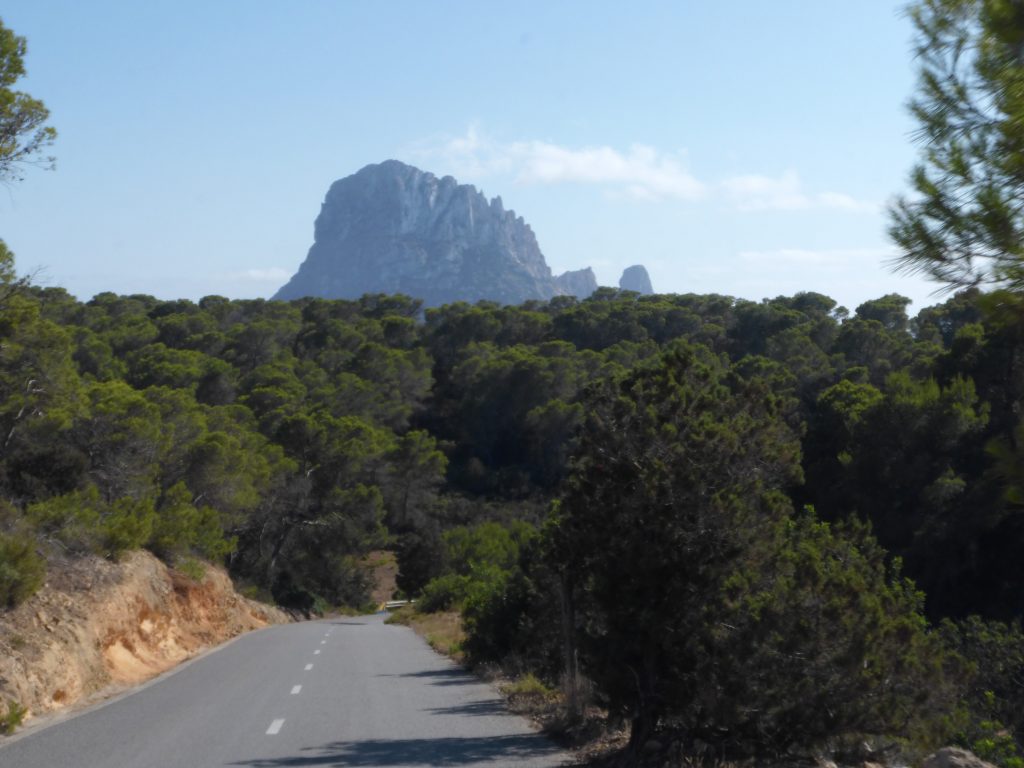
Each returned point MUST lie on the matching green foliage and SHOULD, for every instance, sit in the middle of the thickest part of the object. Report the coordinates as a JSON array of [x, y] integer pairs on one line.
[[675, 474], [83, 522], [22, 570], [678, 432], [994, 696], [963, 227], [23, 135], [125, 525], [474, 563], [180, 528], [701, 604], [513, 619], [421, 558], [488, 545], [74, 520], [12, 718], [192, 568], [993, 742], [444, 592], [821, 640]]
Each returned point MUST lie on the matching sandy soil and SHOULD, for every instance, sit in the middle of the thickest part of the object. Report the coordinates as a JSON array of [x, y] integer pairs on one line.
[[97, 625]]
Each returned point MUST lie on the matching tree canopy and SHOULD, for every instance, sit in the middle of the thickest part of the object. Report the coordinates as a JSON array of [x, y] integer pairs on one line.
[[24, 136], [963, 225]]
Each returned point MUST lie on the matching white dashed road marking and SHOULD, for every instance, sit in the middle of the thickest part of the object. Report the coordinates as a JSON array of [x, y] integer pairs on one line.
[[296, 689], [316, 652], [275, 727], [309, 667]]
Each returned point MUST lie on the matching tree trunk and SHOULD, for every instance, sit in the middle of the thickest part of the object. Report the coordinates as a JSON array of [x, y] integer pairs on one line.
[[648, 707], [571, 659]]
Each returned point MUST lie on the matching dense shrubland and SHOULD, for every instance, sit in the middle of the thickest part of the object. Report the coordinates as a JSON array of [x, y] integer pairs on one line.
[[761, 526]]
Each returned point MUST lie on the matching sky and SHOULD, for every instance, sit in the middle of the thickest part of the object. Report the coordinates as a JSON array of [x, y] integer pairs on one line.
[[744, 148]]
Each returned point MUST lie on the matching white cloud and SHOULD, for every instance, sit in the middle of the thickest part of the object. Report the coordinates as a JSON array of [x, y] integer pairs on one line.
[[641, 172], [269, 275], [785, 193]]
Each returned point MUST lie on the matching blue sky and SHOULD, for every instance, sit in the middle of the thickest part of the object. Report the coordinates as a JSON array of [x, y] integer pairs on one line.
[[744, 148]]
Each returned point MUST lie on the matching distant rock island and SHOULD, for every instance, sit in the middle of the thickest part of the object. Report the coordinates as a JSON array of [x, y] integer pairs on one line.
[[635, 278], [392, 228]]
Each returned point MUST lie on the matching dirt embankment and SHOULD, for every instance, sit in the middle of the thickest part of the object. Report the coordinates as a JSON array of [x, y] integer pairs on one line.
[[96, 624]]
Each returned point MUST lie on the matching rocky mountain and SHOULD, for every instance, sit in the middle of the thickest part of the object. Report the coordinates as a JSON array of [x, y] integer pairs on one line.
[[392, 228], [635, 278], [577, 282]]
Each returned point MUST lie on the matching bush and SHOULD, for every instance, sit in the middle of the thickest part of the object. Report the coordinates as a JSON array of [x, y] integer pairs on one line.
[[192, 568], [10, 720], [818, 643], [126, 525], [994, 697], [421, 557], [487, 544], [83, 522], [22, 570], [478, 560], [180, 527], [443, 593], [515, 620], [73, 519]]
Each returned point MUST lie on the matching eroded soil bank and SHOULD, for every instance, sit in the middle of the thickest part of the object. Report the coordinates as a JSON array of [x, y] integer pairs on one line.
[[96, 624]]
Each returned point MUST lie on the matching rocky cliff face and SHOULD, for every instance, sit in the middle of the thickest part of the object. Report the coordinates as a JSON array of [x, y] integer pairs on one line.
[[578, 282], [392, 228], [635, 278]]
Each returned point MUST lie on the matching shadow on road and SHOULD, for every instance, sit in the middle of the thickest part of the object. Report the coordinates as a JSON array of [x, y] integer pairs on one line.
[[499, 750], [450, 676], [491, 708]]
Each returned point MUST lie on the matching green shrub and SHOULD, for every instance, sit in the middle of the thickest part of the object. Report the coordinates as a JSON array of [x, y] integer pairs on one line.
[[179, 528], [994, 696], [822, 642], [515, 620], [74, 520], [22, 570], [490, 545], [994, 742], [10, 720], [192, 568], [421, 557], [443, 593], [83, 522], [126, 525]]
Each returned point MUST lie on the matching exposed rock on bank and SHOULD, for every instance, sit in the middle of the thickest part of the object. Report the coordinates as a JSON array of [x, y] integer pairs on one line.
[[954, 757], [97, 623]]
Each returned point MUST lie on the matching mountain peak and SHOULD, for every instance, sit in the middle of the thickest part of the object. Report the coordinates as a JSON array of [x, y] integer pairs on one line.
[[393, 228]]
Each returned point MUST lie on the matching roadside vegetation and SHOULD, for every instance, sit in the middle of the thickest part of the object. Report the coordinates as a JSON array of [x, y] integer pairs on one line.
[[667, 508]]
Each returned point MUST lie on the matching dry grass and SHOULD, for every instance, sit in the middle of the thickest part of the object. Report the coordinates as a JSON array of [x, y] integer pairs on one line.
[[443, 630]]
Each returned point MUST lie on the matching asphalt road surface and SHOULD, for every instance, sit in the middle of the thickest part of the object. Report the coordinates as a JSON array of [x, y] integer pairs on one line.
[[338, 692]]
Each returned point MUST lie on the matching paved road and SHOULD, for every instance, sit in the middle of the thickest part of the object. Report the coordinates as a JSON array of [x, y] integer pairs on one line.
[[339, 692]]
